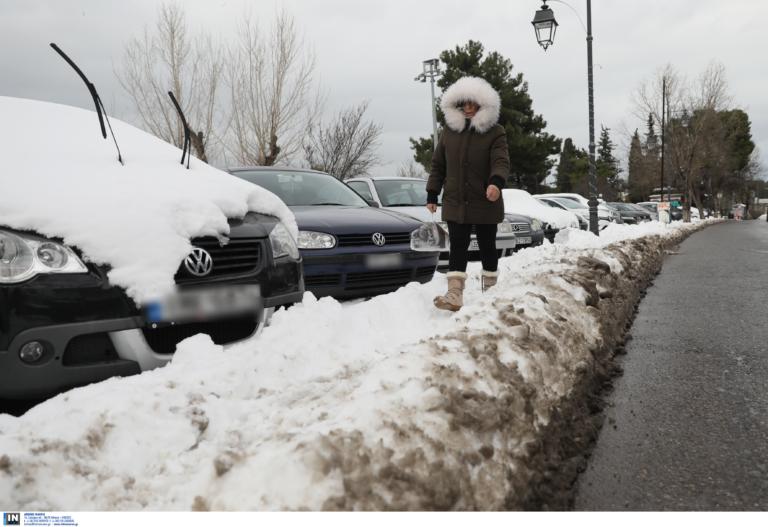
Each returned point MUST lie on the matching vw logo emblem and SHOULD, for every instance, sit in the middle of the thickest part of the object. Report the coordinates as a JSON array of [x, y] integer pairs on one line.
[[199, 262], [378, 239]]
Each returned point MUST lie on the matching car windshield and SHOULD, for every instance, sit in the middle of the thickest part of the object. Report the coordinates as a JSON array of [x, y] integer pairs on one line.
[[622, 206], [297, 188], [399, 193], [569, 203]]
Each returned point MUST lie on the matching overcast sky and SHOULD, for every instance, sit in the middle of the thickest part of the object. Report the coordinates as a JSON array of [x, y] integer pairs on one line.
[[372, 50]]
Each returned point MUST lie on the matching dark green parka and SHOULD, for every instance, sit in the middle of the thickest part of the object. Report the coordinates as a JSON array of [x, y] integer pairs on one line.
[[470, 155]]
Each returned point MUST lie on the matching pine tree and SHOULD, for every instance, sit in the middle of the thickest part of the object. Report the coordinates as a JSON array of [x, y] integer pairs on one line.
[[530, 147], [636, 177], [565, 167], [609, 183]]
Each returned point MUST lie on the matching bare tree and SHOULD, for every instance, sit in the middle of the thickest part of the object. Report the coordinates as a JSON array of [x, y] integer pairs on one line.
[[692, 123], [167, 58], [346, 147], [411, 169], [271, 87]]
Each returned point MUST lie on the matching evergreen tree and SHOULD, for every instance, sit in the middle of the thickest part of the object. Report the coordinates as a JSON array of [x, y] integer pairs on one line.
[[609, 183], [422, 151], [530, 147], [636, 180], [566, 166]]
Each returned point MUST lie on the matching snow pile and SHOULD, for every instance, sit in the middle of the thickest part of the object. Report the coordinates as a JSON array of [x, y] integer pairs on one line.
[[383, 404], [521, 202], [61, 179]]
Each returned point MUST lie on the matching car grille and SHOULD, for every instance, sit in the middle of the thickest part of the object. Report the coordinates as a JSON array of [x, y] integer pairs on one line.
[[363, 240], [371, 279], [240, 255], [521, 228], [164, 339]]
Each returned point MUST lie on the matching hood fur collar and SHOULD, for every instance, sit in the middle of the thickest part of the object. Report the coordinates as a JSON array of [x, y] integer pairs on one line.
[[471, 89]]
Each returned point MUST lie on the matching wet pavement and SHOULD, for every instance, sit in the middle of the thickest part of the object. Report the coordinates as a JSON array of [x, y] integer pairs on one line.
[[687, 424]]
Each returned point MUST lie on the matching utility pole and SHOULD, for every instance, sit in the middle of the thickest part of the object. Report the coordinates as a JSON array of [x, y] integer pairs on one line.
[[663, 129], [431, 71]]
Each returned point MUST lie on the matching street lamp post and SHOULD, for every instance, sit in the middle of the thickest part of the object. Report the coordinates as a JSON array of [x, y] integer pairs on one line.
[[431, 72], [545, 25]]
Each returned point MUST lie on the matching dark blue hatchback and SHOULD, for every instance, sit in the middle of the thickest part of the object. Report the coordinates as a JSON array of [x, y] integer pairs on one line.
[[349, 248]]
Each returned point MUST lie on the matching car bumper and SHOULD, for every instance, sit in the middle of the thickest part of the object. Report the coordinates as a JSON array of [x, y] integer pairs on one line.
[[82, 353], [356, 274]]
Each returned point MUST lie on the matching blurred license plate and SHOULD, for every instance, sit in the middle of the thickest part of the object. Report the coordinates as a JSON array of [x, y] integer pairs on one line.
[[205, 304], [383, 261], [521, 240]]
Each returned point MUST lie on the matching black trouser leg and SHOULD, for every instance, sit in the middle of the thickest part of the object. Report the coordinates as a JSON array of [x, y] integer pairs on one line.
[[486, 241], [458, 235]]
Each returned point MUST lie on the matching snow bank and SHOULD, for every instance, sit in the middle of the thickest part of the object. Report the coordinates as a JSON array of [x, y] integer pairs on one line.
[[61, 179], [383, 404]]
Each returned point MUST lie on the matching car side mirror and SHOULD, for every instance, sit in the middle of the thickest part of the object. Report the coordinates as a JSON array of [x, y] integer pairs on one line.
[[372, 203]]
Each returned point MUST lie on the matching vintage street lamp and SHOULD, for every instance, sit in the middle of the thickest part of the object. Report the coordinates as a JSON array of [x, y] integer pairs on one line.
[[545, 25]]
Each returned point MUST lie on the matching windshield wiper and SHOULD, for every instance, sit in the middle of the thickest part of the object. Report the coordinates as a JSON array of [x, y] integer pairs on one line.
[[401, 205], [100, 110], [186, 151], [328, 204]]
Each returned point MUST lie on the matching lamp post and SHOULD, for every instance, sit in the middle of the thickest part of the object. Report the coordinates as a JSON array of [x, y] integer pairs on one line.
[[431, 72], [545, 25]]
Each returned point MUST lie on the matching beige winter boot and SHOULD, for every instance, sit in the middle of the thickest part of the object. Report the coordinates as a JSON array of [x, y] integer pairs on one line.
[[454, 298], [488, 279]]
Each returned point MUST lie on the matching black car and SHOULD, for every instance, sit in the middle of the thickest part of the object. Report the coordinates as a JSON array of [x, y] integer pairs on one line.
[[630, 213], [350, 249], [65, 329]]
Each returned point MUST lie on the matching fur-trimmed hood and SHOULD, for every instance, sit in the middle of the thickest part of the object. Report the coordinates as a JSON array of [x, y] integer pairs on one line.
[[471, 89]]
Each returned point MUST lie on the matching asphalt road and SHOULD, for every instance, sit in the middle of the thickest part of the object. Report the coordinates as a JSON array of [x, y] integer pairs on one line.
[[687, 424]]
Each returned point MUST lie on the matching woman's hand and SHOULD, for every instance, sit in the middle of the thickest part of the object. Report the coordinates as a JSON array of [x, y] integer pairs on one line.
[[492, 193], [431, 207]]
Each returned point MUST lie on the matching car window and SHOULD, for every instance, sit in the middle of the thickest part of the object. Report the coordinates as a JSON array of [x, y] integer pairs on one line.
[[399, 193], [552, 204], [361, 187], [304, 188]]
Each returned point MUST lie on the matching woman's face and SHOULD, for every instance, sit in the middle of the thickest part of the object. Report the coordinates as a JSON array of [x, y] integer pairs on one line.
[[469, 108]]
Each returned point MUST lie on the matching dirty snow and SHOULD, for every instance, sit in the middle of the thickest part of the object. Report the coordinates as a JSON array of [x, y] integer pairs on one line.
[[60, 178], [382, 404]]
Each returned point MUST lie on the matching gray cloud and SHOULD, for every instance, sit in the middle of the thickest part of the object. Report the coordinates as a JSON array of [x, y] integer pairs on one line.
[[372, 50]]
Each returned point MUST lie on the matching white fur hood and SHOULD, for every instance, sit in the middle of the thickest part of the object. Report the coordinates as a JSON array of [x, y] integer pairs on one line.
[[471, 89]]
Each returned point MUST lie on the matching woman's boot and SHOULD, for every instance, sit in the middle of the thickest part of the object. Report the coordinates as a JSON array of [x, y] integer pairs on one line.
[[454, 298], [488, 279]]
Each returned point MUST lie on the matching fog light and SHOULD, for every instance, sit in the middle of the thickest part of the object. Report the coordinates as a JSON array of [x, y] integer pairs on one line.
[[31, 351]]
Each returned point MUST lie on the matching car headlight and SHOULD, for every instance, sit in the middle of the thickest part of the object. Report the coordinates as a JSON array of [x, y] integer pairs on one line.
[[282, 243], [316, 240], [22, 257], [505, 227], [536, 225]]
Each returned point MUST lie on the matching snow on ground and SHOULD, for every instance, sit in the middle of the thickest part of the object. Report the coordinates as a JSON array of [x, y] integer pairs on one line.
[[60, 178], [382, 404]]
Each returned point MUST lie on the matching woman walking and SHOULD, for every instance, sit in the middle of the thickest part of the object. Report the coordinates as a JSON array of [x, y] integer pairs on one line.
[[470, 165]]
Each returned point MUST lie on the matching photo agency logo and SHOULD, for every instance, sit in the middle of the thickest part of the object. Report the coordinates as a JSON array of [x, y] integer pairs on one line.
[[11, 518]]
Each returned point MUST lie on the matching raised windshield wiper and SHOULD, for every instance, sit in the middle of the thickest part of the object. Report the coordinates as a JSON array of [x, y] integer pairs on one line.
[[100, 110], [186, 151]]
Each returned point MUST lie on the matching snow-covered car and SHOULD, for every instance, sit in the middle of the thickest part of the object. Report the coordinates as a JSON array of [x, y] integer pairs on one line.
[[605, 213], [409, 196], [106, 265], [581, 211], [517, 201], [350, 249]]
